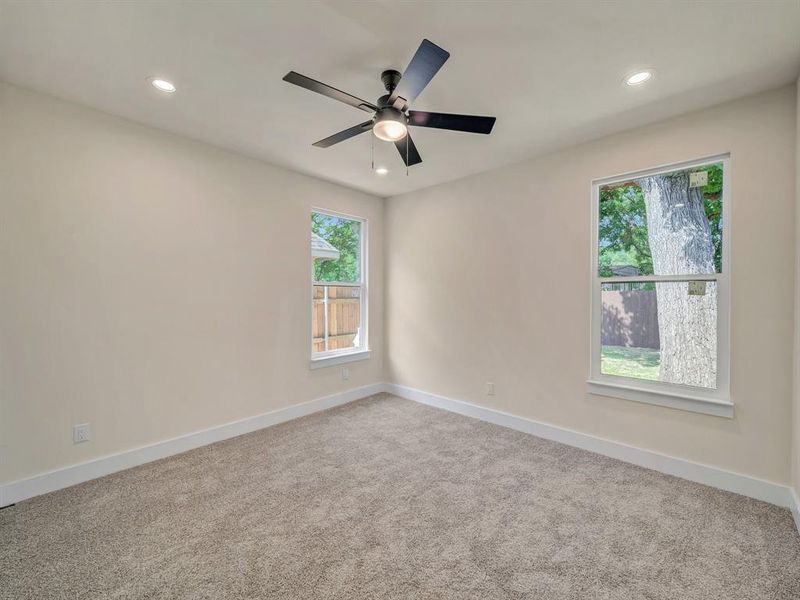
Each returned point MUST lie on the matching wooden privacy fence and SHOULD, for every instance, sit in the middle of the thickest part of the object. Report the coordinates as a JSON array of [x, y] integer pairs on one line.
[[630, 318], [336, 318]]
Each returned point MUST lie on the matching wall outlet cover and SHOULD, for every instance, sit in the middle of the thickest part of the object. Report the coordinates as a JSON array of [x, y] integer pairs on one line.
[[81, 433]]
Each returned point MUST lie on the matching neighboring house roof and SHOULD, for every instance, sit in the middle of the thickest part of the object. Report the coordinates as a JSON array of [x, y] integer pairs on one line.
[[322, 250], [622, 270]]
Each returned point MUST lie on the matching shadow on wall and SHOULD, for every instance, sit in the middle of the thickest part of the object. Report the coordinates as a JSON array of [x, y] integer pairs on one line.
[[630, 319]]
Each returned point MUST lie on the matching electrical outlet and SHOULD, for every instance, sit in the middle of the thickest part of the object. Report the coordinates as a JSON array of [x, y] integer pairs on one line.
[[345, 373], [81, 433], [489, 388]]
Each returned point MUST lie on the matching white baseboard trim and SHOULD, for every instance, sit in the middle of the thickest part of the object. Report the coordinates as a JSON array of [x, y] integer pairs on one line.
[[745, 485], [795, 508], [759, 489], [16, 491]]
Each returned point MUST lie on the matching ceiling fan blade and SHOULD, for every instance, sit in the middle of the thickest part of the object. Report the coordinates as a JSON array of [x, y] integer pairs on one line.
[[330, 92], [344, 135], [425, 64], [413, 155], [468, 123]]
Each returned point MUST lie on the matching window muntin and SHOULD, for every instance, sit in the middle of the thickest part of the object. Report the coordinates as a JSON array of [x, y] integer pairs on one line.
[[338, 313], [660, 283]]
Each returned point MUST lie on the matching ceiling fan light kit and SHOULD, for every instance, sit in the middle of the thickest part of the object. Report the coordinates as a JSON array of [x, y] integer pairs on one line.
[[391, 115], [390, 124]]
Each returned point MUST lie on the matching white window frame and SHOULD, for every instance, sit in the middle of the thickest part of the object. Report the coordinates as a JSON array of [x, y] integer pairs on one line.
[[695, 399], [345, 355]]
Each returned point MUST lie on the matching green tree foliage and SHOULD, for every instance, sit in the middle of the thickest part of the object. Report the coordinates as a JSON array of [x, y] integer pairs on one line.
[[623, 224], [623, 229], [712, 197], [345, 236]]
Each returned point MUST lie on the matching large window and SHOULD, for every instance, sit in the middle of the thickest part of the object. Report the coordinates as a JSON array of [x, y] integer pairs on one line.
[[339, 295], [660, 289]]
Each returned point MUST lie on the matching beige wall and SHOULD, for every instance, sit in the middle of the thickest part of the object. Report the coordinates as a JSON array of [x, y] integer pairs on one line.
[[796, 394], [488, 280], [151, 285], [154, 286]]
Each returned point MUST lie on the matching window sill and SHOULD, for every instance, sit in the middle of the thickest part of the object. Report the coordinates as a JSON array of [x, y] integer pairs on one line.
[[339, 359], [678, 400]]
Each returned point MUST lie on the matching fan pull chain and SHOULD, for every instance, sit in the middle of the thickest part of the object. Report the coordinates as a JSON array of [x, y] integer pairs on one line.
[[406, 155], [372, 137]]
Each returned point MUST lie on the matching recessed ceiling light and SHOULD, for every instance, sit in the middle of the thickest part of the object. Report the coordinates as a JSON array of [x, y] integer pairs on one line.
[[381, 170], [162, 85], [639, 77]]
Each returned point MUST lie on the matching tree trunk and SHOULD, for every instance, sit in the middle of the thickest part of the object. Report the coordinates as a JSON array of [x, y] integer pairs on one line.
[[681, 244]]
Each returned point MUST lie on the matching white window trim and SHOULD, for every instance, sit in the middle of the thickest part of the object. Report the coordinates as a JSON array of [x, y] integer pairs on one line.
[[345, 355], [713, 402], [339, 359]]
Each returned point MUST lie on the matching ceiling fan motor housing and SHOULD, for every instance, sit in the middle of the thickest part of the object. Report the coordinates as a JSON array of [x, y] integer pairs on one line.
[[383, 101]]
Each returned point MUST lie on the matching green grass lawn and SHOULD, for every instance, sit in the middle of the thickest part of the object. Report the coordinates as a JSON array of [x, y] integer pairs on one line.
[[641, 363]]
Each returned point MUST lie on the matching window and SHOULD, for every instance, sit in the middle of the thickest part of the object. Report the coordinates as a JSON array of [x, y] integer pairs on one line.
[[660, 291], [339, 294]]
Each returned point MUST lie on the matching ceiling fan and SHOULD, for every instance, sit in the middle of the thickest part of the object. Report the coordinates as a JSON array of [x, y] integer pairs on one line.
[[392, 116]]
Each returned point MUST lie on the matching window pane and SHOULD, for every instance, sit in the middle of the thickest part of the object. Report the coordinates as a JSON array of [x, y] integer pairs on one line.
[[337, 318], [664, 331], [336, 248], [667, 224]]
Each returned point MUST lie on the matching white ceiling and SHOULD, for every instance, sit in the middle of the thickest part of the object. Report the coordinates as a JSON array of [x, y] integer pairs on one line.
[[551, 72]]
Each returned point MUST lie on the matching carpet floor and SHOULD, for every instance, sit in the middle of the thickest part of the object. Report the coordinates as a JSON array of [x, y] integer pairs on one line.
[[386, 498]]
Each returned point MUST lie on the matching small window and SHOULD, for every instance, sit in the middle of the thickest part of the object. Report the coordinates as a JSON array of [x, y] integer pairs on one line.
[[660, 284], [339, 298]]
